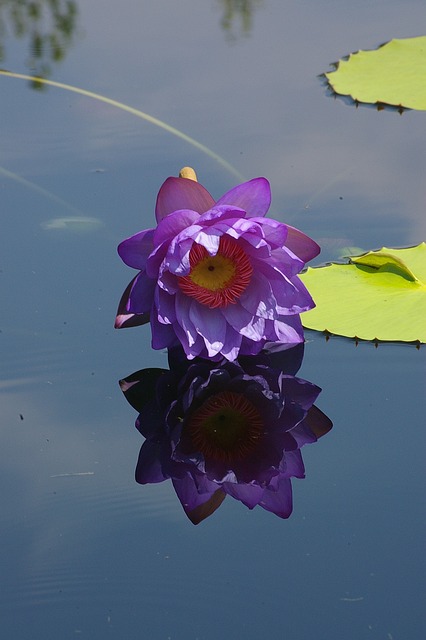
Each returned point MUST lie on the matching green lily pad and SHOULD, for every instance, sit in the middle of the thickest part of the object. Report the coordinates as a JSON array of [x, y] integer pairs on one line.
[[394, 74], [380, 295]]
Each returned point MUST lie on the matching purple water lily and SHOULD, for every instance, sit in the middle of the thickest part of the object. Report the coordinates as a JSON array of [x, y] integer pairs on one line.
[[217, 277], [225, 429]]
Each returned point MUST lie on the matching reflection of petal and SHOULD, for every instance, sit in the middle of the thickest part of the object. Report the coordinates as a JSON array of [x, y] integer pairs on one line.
[[248, 494], [206, 509], [280, 501], [318, 422], [140, 387], [188, 492], [149, 468]]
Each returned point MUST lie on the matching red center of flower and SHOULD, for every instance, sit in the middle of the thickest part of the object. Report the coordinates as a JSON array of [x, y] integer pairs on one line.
[[219, 280], [226, 427]]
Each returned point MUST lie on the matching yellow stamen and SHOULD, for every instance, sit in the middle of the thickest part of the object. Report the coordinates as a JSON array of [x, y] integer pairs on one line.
[[213, 273]]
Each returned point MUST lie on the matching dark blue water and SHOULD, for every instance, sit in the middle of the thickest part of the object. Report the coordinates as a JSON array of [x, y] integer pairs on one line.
[[86, 552]]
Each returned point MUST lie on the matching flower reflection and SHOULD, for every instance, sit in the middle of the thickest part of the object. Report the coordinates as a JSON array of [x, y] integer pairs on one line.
[[230, 428]]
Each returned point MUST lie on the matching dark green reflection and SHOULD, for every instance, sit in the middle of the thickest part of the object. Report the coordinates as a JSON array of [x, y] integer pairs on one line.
[[48, 25], [238, 10]]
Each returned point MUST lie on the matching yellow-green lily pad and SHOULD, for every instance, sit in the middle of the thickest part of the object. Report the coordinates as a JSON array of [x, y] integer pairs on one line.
[[394, 74], [380, 295]]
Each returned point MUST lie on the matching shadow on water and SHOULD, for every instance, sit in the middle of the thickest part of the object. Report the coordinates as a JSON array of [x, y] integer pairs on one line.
[[47, 25]]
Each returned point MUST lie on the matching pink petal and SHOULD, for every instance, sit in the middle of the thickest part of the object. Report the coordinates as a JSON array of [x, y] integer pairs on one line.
[[253, 196], [302, 245], [181, 193]]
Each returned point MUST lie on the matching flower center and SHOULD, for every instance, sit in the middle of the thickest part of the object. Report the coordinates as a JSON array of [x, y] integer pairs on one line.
[[226, 427], [219, 280]]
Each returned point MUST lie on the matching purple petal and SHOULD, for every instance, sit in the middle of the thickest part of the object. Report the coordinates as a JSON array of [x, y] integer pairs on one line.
[[285, 261], [302, 245], [237, 316], [274, 232], [135, 250], [232, 345], [210, 324], [279, 501], [163, 335], [258, 298], [168, 228], [222, 213], [141, 295], [182, 306], [181, 193], [165, 306], [287, 329], [291, 295], [253, 196]]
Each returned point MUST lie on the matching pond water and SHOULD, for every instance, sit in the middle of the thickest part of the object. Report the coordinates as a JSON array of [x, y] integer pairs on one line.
[[87, 552]]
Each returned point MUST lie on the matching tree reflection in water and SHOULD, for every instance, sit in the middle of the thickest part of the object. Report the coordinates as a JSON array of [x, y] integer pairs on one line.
[[47, 25], [232, 9]]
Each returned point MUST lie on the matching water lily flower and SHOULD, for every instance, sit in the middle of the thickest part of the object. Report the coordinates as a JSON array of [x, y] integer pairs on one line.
[[224, 429], [217, 277]]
